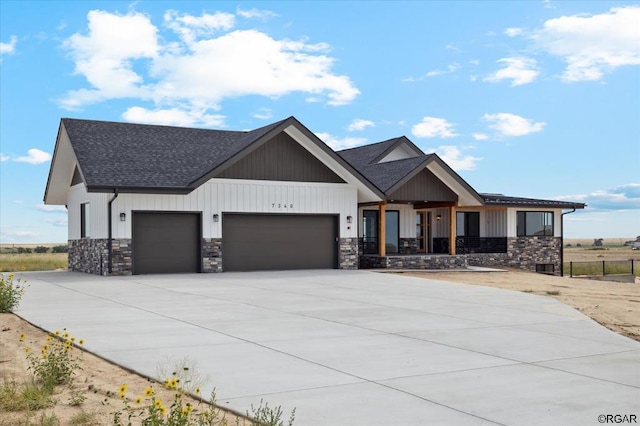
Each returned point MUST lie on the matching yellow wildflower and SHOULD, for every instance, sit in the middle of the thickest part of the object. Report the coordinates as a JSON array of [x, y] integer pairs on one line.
[[73, 340], [23, 268], [81, 342], [163, 410], [197, 390], [66, 335], [10, 277], [27, 349], [49, 338], [186, 410], [138, 400], [122, 388], [148, 392], [158, 403], [57, 333], [22, 337]]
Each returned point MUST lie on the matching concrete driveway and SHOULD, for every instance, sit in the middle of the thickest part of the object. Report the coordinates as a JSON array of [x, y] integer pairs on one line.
[[354, 347]]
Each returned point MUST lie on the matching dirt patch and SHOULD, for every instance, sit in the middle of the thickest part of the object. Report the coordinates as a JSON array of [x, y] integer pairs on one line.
[[612, 304], [96, 384]]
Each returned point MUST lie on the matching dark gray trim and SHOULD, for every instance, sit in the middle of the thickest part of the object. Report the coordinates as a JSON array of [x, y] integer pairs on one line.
[[140, 190], [77, 177]]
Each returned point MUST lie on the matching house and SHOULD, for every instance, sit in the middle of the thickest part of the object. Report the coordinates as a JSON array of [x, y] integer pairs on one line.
[[160, 199]]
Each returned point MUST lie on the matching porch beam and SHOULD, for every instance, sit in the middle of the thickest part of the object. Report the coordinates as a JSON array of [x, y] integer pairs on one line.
[[433, 204], [382, 228], [452, 230]]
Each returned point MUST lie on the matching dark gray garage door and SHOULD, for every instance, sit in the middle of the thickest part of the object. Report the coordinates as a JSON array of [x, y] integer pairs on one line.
[[166, 243], [279, 242]]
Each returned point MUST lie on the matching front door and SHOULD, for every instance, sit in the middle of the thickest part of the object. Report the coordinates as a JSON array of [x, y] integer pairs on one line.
[[423, 231]]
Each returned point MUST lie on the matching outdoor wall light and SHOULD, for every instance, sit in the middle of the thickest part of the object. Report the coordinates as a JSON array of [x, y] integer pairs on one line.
[[123, 217], [349, 219], [439, 217], [216, 217]]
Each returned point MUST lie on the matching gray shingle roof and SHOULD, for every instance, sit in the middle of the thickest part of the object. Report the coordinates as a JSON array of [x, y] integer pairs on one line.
[[126, 155], [367, 153], [503, 200]]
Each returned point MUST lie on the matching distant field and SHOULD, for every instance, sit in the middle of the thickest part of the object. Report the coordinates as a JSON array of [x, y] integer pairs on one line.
[[10, 261]]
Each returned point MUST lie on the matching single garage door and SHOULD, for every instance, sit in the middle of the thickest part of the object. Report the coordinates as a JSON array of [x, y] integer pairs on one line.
[[166, 242], [279, 242]]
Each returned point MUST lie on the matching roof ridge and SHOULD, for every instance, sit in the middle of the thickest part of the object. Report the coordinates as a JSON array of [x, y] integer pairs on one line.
[[370, 144]]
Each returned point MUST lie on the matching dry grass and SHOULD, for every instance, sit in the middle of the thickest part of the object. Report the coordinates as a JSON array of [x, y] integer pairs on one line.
[[13, 262]]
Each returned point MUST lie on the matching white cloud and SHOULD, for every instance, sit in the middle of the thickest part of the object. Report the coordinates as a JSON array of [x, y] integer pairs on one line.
[[480, 136], [256, 14], [4, 158], [359, 124], [59, 221], [34, 156], [593, 45], [263, 114], [507, 124], [451, 68], [513, 31], [190, 27], [173, 117], [47, 208], [340, 143], [519, 70], [17, 233], [9, 48], [452, 155], [433, 127], [623, 197], [127, 56]]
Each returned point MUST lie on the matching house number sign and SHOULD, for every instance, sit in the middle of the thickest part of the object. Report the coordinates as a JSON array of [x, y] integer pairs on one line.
[[281, 205]]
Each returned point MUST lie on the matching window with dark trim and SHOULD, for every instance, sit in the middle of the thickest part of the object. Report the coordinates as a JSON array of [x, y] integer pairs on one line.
[[392, 231], [535, 224], [85, 220], [468, 224]]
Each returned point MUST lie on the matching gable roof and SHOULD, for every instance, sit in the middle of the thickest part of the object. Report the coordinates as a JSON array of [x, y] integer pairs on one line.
[[390, 175], [503, 200], [165, 159]]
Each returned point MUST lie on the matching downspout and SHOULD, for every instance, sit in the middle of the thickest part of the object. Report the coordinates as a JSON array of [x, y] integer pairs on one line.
[[109, 241], [562, 241]]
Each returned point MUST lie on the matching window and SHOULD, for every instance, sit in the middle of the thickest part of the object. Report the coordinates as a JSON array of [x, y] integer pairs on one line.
[[85, 220], [392, 231], [534, 224], [468, 224]]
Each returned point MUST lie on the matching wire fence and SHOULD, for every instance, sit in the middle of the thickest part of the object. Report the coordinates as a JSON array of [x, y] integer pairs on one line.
[[601, 268]]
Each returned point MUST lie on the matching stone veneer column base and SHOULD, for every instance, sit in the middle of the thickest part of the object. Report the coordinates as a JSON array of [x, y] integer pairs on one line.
[[91, 255], [348, 253], [211, 255]]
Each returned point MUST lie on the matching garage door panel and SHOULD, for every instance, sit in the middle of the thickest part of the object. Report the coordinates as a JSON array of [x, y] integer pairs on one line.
[[166, 242], [279, 242]]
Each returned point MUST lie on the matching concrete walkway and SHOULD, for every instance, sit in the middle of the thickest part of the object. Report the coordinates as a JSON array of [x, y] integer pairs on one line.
[[354, 347]]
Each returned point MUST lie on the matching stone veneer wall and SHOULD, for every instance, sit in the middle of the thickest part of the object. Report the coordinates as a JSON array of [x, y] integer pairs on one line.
[[523, 253], [408, 246], [211, 255], [348, 253], [91, 255], [422, 261]]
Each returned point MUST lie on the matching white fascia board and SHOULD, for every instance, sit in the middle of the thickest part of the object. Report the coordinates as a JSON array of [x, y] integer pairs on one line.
[[62, 166], [465, 198], [365, 194]]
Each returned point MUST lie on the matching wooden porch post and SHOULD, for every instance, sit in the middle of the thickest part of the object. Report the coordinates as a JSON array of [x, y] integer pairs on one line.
[[382, 228], [452, 229]]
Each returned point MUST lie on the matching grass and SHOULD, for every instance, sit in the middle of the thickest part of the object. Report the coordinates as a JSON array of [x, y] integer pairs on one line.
[[84, 418], [595, 268], [553, 293], [24, 397], [12, 262]]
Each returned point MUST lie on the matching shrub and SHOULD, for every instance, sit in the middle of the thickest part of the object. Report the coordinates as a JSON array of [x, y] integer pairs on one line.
[[11, 291], [60, 249], [57, 362], [41, 249]]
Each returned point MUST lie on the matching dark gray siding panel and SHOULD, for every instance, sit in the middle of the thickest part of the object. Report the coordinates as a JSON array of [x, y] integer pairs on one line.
[[279, 242], [166, 242], [424, 186], [281, 158]]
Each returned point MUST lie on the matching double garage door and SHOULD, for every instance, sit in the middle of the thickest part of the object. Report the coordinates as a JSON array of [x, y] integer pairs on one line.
[[171, 242]]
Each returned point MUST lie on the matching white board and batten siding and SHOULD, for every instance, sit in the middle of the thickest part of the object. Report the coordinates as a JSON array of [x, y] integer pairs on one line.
[[219, 196], [97, 212]]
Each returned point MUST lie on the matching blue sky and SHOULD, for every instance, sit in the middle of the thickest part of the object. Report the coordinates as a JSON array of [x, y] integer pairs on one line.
[[538, 99]]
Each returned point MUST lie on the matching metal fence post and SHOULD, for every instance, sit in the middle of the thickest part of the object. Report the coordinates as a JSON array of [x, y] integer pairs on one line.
[[604, 272], [571, 269], [632, 272]]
